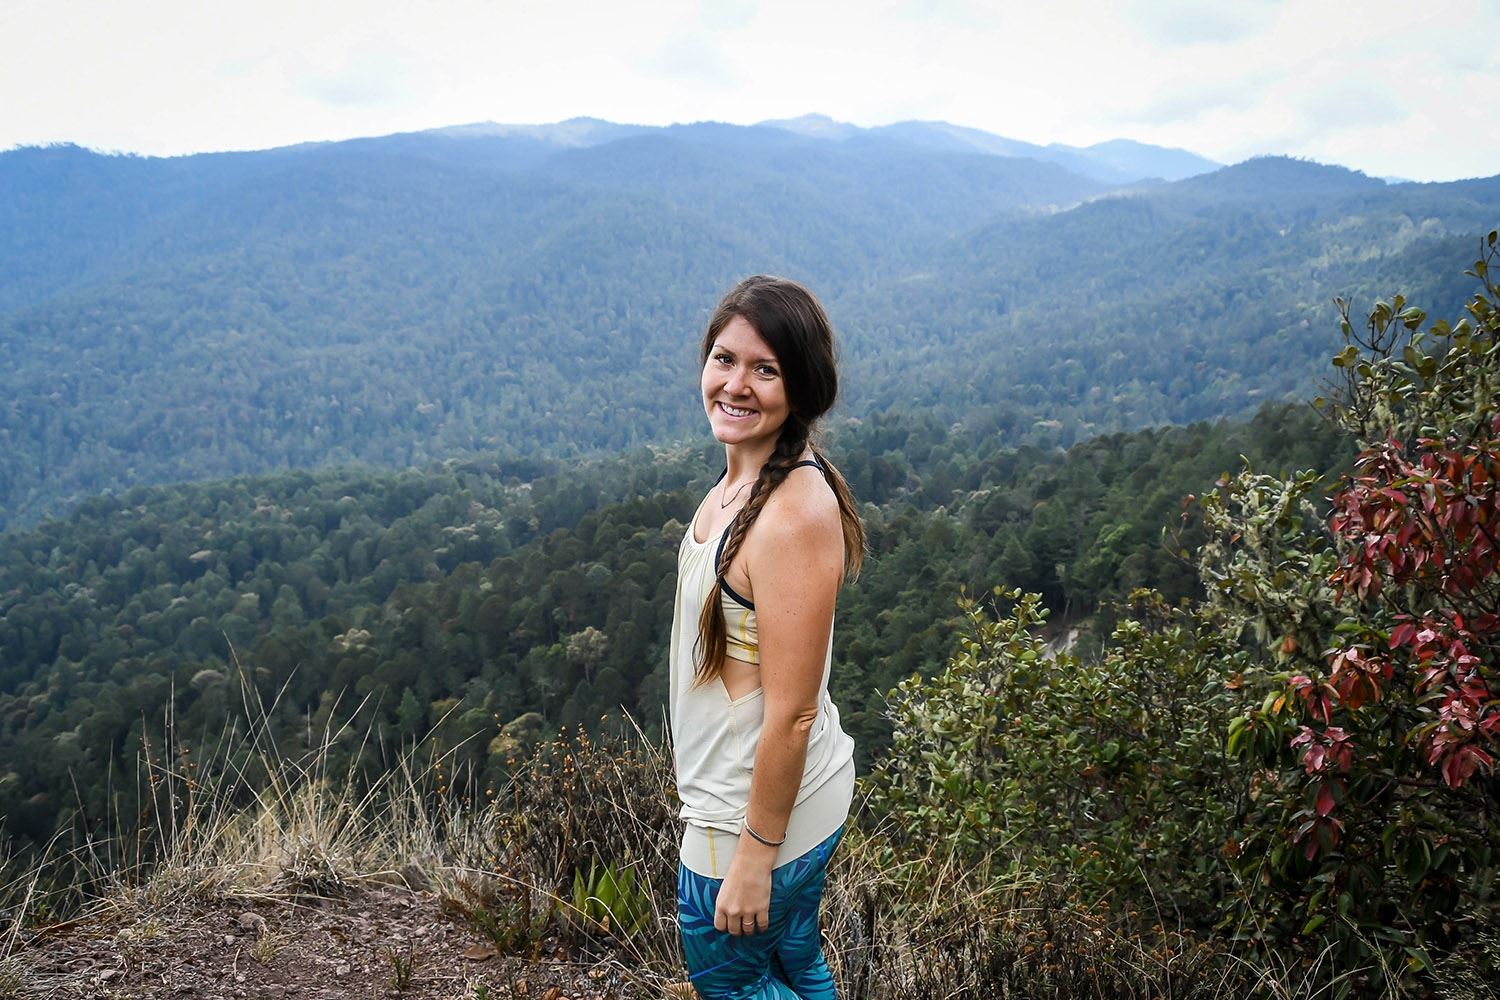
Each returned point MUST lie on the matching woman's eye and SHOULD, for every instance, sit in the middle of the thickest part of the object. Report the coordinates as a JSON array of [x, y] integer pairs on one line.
[[767, 371], [722, 359]]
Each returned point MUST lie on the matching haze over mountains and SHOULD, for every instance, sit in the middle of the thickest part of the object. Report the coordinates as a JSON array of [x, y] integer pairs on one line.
[[540, 289], [1118, 161]]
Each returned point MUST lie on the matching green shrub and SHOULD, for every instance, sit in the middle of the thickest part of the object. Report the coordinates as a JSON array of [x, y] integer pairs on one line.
[[1372, 832], [1113, 772]]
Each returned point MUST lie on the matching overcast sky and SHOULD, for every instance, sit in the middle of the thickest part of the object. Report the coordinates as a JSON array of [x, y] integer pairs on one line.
[[1403, 88]]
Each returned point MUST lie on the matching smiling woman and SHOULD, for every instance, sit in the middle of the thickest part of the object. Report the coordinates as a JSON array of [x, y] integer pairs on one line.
[[764, 770]]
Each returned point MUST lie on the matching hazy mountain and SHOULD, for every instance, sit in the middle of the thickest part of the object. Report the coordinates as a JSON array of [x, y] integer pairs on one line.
[[1125, 159], [1118, 161], [815, 126], [400, 299], [573, 132]]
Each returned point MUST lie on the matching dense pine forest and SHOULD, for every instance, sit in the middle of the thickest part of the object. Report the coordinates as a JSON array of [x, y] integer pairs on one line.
[[474, 596]]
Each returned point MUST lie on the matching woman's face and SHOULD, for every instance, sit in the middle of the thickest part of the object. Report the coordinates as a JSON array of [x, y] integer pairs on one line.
[[743, 391]]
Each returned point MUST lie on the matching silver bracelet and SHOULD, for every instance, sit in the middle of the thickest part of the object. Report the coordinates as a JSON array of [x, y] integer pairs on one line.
[[763, 840]]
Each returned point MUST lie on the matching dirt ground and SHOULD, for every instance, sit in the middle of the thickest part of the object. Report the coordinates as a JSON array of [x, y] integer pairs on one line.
[[382, 942]]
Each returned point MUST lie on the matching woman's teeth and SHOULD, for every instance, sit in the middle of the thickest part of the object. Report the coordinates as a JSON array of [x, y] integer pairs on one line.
[[733, 411]]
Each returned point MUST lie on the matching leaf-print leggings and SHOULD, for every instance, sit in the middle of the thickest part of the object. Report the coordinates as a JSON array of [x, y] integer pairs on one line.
[[784, 962]]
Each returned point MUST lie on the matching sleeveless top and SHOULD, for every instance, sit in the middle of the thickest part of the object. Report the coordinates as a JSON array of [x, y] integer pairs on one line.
[[714, 737], [742, 634]]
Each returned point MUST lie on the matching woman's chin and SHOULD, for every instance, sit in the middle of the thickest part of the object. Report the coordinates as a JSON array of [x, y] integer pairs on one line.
[[738, 436]]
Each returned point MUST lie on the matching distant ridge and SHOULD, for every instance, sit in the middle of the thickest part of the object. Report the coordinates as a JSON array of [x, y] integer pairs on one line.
[[1139, 159], [572, 132], [1279, 178], [1115, 162], [815, 126]]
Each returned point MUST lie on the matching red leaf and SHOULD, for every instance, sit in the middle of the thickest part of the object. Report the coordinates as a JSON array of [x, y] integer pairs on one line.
[[1325, 799]]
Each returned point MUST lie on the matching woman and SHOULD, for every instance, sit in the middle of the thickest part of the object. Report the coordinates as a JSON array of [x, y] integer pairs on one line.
[[765, 773]]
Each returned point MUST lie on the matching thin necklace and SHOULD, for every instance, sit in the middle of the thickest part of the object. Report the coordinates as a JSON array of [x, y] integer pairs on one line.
[[724, 504]]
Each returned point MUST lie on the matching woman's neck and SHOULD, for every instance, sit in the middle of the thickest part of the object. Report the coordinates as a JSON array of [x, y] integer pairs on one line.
[[745, 461]]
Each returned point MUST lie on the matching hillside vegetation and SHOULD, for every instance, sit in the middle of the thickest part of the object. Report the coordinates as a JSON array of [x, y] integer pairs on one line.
[[485, 592], [413, 298]]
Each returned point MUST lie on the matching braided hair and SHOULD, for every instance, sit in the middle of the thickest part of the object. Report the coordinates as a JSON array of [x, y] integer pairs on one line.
[[792, 323]]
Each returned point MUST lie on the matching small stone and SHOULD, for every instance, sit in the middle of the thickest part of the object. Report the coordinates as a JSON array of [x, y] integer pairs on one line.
[[342, 970], [108, 974], [249, 921], [229, 939]]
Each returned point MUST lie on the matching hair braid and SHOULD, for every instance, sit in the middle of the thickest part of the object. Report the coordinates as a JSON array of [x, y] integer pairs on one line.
[[713, 633]]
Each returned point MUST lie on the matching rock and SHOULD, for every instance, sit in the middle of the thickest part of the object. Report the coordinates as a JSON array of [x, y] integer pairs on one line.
[[342, 970], [414, 877], [229, 939], [479, 952], [249, 921]]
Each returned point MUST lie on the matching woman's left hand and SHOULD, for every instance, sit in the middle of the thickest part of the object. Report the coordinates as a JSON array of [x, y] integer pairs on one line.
[[744, 905]]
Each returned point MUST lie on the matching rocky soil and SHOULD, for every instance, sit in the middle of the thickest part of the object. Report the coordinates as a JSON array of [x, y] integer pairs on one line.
[[379, 942]]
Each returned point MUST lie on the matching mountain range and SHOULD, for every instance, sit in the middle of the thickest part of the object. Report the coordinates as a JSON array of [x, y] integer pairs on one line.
[[1117, 161], [538, 290]]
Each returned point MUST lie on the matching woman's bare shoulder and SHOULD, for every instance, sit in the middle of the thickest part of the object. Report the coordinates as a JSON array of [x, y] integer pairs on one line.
[[803, 507]]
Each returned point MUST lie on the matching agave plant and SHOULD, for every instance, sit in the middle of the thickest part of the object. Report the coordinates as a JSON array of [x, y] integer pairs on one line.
[[609, 901]]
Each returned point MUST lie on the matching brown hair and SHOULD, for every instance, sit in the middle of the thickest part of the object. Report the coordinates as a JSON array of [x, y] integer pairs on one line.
[[792, 323]]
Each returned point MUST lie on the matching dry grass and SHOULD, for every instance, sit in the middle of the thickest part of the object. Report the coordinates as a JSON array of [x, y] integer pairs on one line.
[[246, 821]]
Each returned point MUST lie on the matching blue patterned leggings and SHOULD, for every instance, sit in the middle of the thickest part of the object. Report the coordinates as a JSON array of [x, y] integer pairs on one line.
[[784, 962]]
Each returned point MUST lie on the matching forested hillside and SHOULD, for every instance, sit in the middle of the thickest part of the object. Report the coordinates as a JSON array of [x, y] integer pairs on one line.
[[469, 596], [412, 298]]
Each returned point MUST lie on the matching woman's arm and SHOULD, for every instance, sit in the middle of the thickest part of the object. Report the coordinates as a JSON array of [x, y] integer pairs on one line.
[[795, 560]]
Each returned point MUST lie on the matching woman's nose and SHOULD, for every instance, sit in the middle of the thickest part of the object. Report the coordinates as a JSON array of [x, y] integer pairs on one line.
[[736, 382]]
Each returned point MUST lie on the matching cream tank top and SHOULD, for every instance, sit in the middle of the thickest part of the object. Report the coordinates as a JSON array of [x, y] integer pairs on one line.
[[714, 739]]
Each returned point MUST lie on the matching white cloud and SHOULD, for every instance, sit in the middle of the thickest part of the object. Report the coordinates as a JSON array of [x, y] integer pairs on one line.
[[1188, 22], [373, 76], [1387, 86], [695, 59]]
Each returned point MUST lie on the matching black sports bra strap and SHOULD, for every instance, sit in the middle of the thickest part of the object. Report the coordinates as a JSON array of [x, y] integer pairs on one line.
[[809, 461], [724, 535]]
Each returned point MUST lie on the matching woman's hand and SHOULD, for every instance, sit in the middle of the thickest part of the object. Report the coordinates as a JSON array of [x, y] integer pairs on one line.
[[744, 905]]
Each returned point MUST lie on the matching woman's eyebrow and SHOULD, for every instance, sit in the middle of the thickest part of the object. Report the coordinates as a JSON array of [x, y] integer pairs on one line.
[[767, 358]]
